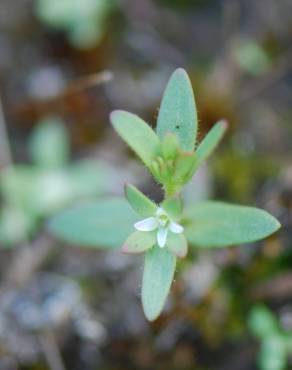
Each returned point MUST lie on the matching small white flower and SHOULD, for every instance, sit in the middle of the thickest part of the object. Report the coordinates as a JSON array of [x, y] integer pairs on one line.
[[160, 222]]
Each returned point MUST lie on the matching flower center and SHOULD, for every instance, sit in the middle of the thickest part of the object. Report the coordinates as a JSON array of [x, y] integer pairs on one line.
[[162, 217], [163, 220]]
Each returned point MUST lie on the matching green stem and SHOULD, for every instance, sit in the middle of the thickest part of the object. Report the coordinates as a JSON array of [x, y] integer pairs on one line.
[[170, 191]]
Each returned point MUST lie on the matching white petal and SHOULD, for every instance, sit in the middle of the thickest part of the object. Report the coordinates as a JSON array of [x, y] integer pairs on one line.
[[148, 224], [175, 228], [161, 236]]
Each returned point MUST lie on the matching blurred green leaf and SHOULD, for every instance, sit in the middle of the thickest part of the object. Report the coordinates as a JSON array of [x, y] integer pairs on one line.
[[139, 202], [49, 144], [53, 189], [173, 206], [137, 134], [273, 354], [177, 112], [262, 322], [90, 177], [82, 20], [139, 242], [287, 337], [252, 57], [177, 244], [158, 274], [66, 14], [16, 225], [102, 224], [17, 185], [86, 34], [45, 190], [218, 224]]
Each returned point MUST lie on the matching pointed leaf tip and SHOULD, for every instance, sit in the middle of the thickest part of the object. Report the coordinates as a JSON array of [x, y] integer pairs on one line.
[[137, 134], [139, 202], [210, 141], [178, 112]]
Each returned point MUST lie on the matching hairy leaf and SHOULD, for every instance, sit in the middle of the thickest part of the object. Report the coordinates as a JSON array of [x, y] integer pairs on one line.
[[177, 112], [139, 242], [103, 224], [210, 141], [158, 274], [139, 202], [218, 224], [137, 134]]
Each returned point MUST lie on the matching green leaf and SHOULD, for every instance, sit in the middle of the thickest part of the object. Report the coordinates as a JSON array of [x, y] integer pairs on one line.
[[18, 185], [53, 189], [86, 34], [137, 134], [262, 322], [49, 146], [252, 57], [162, 169], [158, 274], [139, 242], [139, 202], [16, 225], [106, 223], [173, 206], [177, 244], [170, 146], [177, 112], [184, 167], [210, 141], [90, 177], [217, 224], [273, 354], [288, 341]]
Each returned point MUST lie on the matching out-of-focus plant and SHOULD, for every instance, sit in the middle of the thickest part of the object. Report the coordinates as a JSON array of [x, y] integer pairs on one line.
[[251, 57], [83, 21], [172, 156], [276, 343], [238, 174], [33, 192]]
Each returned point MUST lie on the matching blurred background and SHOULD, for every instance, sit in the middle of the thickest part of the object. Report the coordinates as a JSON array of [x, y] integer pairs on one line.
[[64, 66]]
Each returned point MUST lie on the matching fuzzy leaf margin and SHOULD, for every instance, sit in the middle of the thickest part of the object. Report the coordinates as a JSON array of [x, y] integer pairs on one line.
[[219, 224], [137, 134], [178, 113], [103, 224], [159, 269]]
